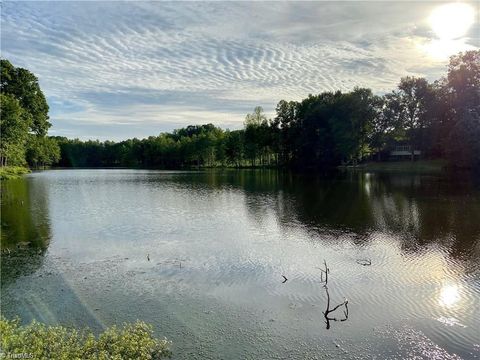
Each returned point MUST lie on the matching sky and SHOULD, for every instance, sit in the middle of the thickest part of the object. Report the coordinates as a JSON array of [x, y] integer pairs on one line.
[[118, 70]]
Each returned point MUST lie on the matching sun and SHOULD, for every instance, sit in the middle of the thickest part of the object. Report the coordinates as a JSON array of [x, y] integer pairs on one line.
[[452, 21]]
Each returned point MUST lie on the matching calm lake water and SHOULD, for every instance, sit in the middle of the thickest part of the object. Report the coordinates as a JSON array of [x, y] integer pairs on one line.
[[201, 255]]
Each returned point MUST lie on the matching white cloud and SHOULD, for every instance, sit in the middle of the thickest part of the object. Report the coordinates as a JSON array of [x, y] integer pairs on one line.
[[180, 63]]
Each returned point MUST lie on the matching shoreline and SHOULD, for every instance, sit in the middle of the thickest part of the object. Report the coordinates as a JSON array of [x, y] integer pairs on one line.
[[13, 172], [420, 166]]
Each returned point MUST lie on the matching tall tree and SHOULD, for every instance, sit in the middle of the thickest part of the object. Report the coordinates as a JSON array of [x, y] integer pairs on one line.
[[23, 85], [408, 108], [463, 86], [234, 147], [14, 123], [253, 133], [287, 121]]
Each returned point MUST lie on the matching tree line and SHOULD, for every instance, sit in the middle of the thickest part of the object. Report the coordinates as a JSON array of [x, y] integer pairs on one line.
[[441, 119]]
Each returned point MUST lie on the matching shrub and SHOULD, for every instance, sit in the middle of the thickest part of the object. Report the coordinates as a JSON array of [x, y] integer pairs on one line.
[[12, 172], [39, 341]]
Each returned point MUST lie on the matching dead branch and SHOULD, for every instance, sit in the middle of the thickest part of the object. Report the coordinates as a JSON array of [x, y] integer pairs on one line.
[[325, 271], [329, 311]]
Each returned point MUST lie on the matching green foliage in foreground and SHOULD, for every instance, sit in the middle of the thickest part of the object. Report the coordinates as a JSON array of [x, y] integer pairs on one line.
[[39, 341], [12, 172]]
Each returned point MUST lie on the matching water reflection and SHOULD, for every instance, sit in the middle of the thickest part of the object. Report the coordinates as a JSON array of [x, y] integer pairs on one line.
[[25, 238], [449, 296], [420, 209], [402, 248], [24, 207], [25, 227]]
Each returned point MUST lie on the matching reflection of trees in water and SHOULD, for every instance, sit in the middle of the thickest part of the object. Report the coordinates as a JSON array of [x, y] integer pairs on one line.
[[25, 239], [419, 209], [25, 227], [427, 209]]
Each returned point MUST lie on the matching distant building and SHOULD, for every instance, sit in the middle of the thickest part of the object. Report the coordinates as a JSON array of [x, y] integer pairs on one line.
[[403, 152]]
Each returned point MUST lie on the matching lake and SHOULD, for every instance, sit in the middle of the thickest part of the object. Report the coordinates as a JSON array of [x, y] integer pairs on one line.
[[203, 256]]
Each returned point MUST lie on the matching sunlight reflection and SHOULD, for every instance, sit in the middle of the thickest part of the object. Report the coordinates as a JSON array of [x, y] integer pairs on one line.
[[367, 183], [449, 295]]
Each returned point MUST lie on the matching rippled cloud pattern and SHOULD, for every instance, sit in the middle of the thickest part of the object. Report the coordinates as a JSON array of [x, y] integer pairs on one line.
[[114, 70]]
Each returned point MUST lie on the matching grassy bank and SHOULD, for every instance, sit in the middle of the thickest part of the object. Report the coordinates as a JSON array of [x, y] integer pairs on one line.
[[12, 172], [38, 341], [420, 166]]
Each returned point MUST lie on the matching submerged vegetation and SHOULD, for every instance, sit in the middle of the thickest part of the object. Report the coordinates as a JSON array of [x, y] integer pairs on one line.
[[39, 341]]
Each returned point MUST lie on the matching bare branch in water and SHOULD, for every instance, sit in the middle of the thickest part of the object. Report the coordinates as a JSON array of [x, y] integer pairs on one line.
[[329, 310], [325, 271]]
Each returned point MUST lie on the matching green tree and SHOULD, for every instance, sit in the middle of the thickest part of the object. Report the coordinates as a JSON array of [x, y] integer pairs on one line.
[[14, 123], [42, 151], [288, 125], [253, 134], [383, 124], [409, 105], [234, 147], [23, 85], [463, 88], [351, 124]]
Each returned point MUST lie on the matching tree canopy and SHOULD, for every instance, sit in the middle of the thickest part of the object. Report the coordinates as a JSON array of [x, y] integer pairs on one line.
[[24, 119]]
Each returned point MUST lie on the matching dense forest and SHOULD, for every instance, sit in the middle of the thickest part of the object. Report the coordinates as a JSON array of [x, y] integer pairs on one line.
[[440, 119]]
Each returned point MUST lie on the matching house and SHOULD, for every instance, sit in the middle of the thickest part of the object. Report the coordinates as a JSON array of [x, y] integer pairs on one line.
[[401, 152]]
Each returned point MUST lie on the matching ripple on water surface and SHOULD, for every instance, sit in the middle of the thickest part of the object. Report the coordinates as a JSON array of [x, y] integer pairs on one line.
[[202, 256]]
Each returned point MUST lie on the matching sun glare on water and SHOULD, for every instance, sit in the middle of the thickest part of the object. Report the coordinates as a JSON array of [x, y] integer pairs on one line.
[[450, 23], [449, 296]]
